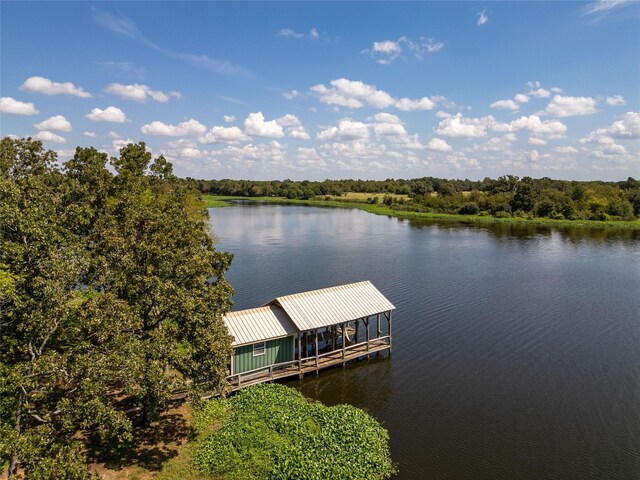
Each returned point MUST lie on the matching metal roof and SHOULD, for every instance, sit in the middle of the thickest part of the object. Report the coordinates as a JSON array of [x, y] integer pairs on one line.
[[330, 306], [258, 324]]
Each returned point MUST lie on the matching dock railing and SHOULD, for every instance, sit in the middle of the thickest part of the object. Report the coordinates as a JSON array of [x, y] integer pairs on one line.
[[309, 364]]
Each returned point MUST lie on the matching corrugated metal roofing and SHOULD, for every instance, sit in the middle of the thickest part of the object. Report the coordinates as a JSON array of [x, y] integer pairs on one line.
[[258, 324], [330, 306]]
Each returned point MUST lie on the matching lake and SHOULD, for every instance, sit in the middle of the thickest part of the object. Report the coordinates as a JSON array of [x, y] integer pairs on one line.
[[516, 348]]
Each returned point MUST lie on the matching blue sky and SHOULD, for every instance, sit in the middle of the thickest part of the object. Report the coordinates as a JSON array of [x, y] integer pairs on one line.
[[308, 90]]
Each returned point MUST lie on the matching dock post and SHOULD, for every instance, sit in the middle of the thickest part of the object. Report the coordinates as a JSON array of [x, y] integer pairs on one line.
[[390, 314], [316, 332], [300, 356], [366, 322], [344, 343]]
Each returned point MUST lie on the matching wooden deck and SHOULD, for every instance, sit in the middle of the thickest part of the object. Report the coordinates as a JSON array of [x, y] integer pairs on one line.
[[309, 364]]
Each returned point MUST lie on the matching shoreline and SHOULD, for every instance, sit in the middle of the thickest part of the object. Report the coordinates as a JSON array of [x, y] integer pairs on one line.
[[215, 201]]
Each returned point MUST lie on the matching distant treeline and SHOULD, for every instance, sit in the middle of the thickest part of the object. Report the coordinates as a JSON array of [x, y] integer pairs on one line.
[[506, 196]]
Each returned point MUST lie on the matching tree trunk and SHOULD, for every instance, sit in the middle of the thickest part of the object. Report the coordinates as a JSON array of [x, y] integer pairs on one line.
[[13, 461]]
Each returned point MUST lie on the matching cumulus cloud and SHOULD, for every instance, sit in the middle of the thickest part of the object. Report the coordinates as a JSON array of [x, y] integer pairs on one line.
[[438, 145], [47, 87], [47, 136], [16, 107], [188, 127], [616, 100], [357, 94], [109, 114], [229, 118], [223, 135], [140, 93], [57, 122], [505, 105], [567, 149], [534, 125], [482, 17], [562, 106], [291, 95], [539, 93], [293, 126], [89, 134], [521, 98], [628, 127], [409, 104], [256, 125], [347, 130], [457, 126], [537, 141], [386, 51]]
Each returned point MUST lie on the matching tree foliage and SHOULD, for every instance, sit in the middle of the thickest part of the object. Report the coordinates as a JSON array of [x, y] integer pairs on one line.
[[111, 295], [506, 196], [273, 432]]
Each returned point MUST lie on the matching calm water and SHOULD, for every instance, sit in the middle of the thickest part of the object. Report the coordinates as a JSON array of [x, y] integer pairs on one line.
[[516, 350]]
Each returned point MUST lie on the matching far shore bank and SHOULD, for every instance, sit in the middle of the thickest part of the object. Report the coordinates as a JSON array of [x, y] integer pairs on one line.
[[214, 201]]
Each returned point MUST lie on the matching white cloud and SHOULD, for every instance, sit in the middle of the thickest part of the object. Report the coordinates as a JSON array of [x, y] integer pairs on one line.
[[293, 125], [140, 93], [533, 124], [441, 114], [16, 107], [537, 141], [57, 122], [313, 34], [309, 158], [229, 118], [461, 127], [291, 95], [188, 127], [616, 100], [539, 92], [89, 134], [384, 117], [628, 127], [223, 135], [109, 114], [567, 149], [114, 135], [389, 130], [562, 106], [386, 51], [46, 86], [357, 94], [521, 98], [353, 94], [505, 105], [482, 17], [347, 130], [256, 125], [407, 104], [438, 145], [603, 7], [47, 136]]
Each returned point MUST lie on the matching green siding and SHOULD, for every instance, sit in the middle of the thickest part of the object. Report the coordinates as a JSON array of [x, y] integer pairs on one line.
[[277, 351]]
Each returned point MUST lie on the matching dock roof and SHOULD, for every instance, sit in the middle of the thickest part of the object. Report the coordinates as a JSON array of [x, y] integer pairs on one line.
[[258, 324], [304, 311], [330, 306]]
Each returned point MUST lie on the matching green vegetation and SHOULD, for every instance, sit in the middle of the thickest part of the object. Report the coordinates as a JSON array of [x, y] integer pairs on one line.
[[111, 299], [508, 198], [271, 431]]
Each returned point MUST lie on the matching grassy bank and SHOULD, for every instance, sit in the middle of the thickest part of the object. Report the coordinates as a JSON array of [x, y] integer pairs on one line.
[[381, 209]]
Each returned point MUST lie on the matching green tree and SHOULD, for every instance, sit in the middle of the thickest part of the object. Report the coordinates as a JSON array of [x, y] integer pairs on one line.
[[110, 289], [154, 253]]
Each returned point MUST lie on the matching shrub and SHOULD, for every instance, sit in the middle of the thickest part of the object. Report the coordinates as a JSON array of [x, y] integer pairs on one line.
[[469, 208], [273, 432]]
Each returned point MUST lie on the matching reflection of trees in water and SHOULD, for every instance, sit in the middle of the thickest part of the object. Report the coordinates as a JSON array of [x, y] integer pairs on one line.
[[520, 231], [365, 384]]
